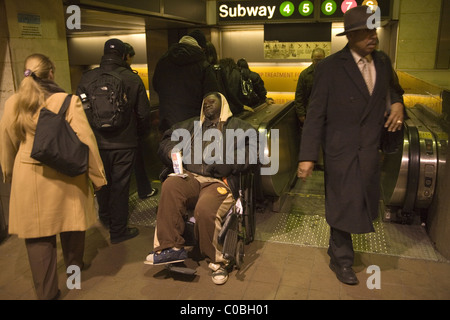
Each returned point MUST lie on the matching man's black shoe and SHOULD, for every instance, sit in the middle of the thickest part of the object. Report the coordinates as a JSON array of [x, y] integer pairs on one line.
[[131, 233], [344, 274]]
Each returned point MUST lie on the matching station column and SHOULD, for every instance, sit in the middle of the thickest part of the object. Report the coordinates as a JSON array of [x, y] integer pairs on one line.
[[28, 27]]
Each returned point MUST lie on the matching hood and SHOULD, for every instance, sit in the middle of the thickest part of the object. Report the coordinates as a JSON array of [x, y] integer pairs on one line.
[[190, 40], [225, 111], [184, 53]]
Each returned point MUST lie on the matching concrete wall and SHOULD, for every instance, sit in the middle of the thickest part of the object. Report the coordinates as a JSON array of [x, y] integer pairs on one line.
[[49, 36], [418, 34]]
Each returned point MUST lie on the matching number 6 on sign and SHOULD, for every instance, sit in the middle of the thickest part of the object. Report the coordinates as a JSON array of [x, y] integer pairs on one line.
[[347, 5], [328, 7]]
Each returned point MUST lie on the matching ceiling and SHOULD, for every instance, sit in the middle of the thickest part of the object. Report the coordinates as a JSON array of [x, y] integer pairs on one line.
[[96, 22]]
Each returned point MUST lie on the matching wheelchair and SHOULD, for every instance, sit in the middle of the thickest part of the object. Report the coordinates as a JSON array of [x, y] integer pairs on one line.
[[238, 228]]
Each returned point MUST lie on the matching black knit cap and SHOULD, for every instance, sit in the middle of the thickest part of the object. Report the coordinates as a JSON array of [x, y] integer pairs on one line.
[[114, 46], [199, 36]]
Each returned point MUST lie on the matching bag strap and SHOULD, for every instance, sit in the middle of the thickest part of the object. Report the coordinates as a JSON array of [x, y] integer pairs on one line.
[[65, 105]]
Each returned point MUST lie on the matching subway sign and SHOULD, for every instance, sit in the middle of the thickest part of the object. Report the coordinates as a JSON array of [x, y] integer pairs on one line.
[[263, 11]]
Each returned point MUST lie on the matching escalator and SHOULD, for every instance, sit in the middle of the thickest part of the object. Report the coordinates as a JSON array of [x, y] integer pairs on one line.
[[409, 175], [279, 124]]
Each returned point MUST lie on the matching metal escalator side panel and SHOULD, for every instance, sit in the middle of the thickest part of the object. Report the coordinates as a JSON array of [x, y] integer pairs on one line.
[[428, 162], [394, 185], [428, 170], [433, 122], [285, 122]]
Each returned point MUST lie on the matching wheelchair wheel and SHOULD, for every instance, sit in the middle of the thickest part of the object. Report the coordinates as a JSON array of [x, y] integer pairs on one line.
[[249, 211], [239, 259]]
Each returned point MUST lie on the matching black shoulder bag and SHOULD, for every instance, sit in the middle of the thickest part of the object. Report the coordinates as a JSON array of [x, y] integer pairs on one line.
[[57, 145]]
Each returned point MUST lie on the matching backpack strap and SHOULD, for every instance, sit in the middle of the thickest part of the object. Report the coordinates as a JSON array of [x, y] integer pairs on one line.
[[65, 105], [119, 70]]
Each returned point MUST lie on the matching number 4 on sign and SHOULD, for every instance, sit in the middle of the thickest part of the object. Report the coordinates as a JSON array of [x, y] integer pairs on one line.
[[286, 9]]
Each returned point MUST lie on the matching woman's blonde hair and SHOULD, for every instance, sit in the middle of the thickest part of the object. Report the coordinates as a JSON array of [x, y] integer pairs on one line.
[[31, 95]]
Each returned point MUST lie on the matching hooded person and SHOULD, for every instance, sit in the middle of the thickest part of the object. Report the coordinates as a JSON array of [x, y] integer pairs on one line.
[[211, 166], [181, 79]]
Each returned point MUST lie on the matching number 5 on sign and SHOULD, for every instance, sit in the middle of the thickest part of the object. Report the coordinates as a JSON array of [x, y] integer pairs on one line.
[[347, 5], [306, 8]]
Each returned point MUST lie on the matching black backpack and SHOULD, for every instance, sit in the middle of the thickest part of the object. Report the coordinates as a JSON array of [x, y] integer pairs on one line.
[[105, 100], [249, 96]]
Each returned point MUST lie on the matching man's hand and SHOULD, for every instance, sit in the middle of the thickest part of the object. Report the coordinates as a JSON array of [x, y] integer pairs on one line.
[[395, 119], [305, 169]]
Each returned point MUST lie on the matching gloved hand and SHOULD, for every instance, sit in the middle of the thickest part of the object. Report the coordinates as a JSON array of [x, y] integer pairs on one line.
[[219, 170]]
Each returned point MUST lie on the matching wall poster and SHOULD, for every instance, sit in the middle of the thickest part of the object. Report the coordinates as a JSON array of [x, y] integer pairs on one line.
[[293, 50]]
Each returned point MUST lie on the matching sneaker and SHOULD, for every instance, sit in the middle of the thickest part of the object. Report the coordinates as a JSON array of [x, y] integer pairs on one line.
[[220, 273], [166, 256], [151, 194]]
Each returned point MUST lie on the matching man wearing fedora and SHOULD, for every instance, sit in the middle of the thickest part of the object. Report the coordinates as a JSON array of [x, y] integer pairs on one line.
[[352, 99]]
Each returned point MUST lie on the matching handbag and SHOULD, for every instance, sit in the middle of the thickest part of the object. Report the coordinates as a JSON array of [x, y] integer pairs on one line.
[[57, 145]]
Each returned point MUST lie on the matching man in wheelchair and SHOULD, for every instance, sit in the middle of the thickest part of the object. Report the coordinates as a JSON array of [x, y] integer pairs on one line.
[[216, 148]]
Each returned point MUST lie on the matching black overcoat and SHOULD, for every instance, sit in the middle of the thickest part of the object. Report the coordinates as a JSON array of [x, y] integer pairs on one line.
[[348, 121]]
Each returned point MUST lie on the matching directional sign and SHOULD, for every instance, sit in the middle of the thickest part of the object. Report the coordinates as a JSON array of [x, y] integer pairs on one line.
[[266, 11]]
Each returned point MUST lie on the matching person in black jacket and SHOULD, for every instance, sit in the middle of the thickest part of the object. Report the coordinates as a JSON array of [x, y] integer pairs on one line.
[[259, 95], [221, 70], [182, 77], [143, 184], [233, 81], [209, 187], [117, 148], [305, 84]]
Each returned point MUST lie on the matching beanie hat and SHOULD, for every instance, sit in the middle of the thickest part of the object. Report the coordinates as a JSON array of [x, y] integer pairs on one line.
[[199, 37]]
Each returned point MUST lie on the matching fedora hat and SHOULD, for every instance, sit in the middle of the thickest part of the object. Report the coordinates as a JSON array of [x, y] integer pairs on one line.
[[356, 19]]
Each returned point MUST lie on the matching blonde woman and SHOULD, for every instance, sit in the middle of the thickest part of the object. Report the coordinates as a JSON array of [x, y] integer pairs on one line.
[[43, 201]]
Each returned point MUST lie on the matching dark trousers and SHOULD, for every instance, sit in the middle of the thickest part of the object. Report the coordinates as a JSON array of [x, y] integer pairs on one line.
[[113, 198], [340, 248], [43, 260], [143, 184]]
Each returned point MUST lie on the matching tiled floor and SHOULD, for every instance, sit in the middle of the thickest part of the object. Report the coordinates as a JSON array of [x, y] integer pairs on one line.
[[271, 271]]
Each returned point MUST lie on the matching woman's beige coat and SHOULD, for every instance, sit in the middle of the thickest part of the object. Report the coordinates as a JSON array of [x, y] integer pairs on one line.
[[43, 201]]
